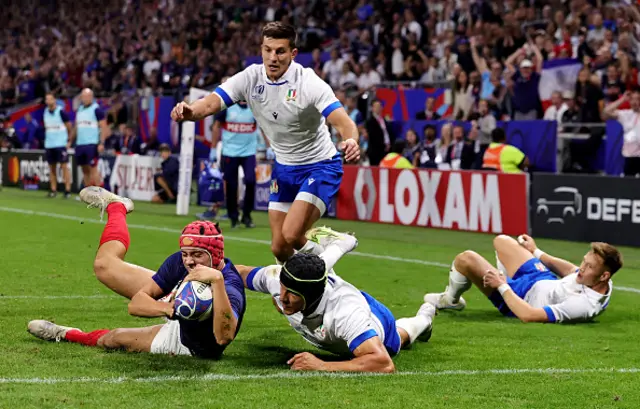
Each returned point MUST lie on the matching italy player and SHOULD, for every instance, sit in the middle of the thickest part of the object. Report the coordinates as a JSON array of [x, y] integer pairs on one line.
[[90, 134], [201, 258], [57, 129], [537, 287], [292, 106], [332, 314]]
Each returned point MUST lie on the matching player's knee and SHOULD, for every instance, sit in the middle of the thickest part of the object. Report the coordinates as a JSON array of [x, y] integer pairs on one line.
[[110, 339], [280, 250], [293, 238], [501, 240], [101, 267], [465, 260]]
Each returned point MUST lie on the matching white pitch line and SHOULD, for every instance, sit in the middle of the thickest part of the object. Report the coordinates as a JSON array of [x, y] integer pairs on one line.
[[247, 240], [305, 375]]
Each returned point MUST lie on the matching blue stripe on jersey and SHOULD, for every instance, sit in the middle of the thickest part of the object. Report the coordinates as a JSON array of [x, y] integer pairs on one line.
[[225, 97], [361, 338], [550, 315], [276, 83], [392, 340], [328, 110], [250, 278]]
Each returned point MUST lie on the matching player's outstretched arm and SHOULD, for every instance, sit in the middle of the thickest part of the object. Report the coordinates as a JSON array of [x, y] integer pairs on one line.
[[144, 303], [224, 319], [370, 356], [559, 266], [198, 110], [520, 308]]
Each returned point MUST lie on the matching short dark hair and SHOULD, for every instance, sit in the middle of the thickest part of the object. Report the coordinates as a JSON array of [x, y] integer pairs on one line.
[[279, 31], [399, 145], [164, 147], [498, 135], [611, 257]]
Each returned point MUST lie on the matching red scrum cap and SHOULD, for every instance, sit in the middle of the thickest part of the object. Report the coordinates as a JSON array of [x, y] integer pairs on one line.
[[204, 235]]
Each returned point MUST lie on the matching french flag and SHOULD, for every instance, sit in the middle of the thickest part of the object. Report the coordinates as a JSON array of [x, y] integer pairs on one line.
[[558, 75]]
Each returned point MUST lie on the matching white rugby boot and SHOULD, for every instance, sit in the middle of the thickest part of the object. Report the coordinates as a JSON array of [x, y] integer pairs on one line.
[[442, 301], [427, 310], [95, 196], [325, 236], [47, 330]]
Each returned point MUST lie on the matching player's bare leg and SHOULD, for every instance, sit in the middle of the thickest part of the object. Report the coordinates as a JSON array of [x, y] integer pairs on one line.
[[109, 266], [128, 339], [510, 254], [53, 180], [86, 175], [288, 230], [468, 268], [66, 174]]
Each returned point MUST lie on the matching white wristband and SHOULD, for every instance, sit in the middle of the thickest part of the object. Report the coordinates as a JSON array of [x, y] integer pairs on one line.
[[503, 288], [538, 253]]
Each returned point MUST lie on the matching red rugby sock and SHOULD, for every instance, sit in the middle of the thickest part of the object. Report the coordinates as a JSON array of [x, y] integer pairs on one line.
[[116, 228], [89, 339]]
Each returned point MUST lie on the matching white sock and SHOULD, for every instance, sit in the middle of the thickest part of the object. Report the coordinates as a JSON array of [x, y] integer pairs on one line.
[[500, 265], [311, 247], [414, 326], [458, 284], [331, 255]]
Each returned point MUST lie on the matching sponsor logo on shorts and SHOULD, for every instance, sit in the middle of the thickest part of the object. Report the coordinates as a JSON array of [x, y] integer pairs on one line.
[[311, 180], [540, 267], [274, 186]]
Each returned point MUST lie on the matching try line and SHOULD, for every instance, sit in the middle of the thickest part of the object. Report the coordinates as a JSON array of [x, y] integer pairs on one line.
[[304, 375], [244, 239]]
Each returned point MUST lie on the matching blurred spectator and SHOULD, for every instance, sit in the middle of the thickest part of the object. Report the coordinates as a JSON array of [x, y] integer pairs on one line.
[[347, 77], [589, 97], [332, 69], [429, 149], [29, 138], [461, 153], [445, 142], [503, 157], [130, 141], [395, 158], [630, 121], [413, 148], [526, 80], [379, 137], [558, 107], [369, 78], [166, 182], [429, 112], [486, 123], [463, 97]]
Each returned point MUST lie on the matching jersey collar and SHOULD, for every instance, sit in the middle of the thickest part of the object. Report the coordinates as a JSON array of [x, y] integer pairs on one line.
[[287, 77]]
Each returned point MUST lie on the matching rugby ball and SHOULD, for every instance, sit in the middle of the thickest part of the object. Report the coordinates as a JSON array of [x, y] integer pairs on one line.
[[194, 301]]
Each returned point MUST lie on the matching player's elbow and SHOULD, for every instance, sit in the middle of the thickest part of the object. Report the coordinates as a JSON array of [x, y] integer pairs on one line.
[[381, 363]]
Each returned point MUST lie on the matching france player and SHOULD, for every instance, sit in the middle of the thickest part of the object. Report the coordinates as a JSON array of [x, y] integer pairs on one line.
[[530, 291], [91, 132], [291, 105], [56, 142], [201, 258], [332, 314]]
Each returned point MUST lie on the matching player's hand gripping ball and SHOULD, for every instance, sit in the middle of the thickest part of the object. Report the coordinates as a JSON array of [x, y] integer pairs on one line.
[[194, 301]]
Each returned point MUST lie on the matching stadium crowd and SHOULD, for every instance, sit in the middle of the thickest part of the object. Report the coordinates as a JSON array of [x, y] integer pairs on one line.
[[488, 51]]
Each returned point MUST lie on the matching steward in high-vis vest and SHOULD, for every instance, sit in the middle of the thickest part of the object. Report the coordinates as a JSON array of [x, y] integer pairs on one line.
[[394, 159], [502, 157], [56, 142]]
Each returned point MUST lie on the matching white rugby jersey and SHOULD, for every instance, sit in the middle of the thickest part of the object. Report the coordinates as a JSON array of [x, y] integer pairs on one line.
[[565, 300], [290, 112], [342, 321]]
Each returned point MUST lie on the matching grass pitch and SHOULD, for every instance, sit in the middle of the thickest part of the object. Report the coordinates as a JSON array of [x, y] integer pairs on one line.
[[475, 359]]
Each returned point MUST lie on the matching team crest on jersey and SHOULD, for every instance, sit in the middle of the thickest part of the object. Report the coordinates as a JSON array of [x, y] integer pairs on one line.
[[274, 186], [291, 95]]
